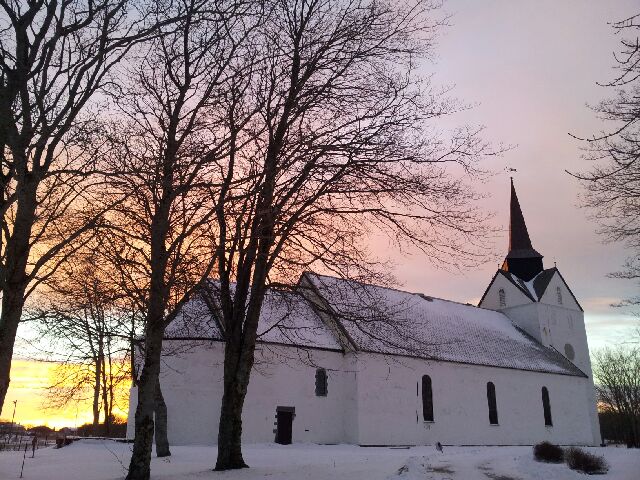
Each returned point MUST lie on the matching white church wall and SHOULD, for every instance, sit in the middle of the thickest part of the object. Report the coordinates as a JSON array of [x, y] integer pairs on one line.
[[283, 376], [513, 295], [350, 405], [555, 326], [567, 334], [133, 401], [374, 400], [390, 404], [287, 378], [561, 327]]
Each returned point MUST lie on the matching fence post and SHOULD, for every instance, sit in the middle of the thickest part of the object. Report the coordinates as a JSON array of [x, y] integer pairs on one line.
[[23, 457]]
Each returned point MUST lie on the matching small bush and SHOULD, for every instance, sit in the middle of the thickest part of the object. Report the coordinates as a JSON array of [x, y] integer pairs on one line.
[[548, 452], [578, 459]]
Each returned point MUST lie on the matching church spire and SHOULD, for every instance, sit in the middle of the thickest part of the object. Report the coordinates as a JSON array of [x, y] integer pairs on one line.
[[518, 234], [522, 259]]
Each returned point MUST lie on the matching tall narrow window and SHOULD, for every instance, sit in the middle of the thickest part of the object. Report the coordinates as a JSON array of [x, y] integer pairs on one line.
[[546, 406], [427, 399], [321, 382], [491, 400], [559, 295], [502, 297]]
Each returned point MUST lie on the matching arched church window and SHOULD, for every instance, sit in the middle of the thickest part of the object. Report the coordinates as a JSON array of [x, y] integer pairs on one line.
[[559, 295], [321, 382], [569, 352], [427, 399], [491, 400], [503, 297], [546, 406]]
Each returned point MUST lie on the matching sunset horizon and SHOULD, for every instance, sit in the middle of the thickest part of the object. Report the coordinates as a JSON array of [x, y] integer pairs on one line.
[[30, 379]]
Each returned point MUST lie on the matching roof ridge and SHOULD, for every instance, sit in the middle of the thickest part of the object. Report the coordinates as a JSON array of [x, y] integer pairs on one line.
[[420, 294]]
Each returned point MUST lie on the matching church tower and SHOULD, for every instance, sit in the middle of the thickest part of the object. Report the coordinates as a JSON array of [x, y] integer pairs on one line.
[[537, 300], [540, 302]]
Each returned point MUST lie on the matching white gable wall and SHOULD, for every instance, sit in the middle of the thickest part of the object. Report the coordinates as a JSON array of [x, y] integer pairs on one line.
[[514, 295], [550, 296]]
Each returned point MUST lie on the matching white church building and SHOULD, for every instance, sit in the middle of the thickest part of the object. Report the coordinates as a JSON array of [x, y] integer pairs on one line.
[[343, 362]]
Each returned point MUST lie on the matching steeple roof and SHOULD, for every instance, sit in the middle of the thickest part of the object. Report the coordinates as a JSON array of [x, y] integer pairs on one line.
[[519, 241], [522, 260]]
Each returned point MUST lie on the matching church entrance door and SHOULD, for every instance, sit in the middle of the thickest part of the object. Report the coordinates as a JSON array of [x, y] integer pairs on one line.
[[284, 418]]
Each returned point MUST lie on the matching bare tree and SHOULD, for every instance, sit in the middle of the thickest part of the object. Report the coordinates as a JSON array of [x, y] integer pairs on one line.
[[86, 325], [54, 57], [613, 183], [343, 146], [617, 377], [73, 382], [165, 148]]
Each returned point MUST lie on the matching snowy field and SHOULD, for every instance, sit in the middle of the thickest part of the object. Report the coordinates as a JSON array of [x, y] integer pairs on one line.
[[102, 460]]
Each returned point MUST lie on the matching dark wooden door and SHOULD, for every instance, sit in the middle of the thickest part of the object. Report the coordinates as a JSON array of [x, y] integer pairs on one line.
[[285, 424]]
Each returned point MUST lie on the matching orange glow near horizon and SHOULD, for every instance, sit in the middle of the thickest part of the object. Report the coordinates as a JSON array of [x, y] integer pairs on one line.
[[29, 380]]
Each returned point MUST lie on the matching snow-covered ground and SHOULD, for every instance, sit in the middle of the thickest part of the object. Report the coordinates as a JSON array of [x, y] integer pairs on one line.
[[102, 460]]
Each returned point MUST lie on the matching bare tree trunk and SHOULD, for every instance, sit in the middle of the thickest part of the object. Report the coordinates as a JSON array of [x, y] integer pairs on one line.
[[230, 427], [11, 311], [635, 441], [162, 440], [110, 391], [13, 280], [9, 320], [105, 397], [96, 395], [139, 467]]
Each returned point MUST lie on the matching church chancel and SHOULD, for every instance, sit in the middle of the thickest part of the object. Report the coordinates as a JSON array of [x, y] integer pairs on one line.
[[344, 362]]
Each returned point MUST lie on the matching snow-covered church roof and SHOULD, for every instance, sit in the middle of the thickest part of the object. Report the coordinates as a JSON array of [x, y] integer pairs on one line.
[[388, 321], [286, 318], [335, 314]]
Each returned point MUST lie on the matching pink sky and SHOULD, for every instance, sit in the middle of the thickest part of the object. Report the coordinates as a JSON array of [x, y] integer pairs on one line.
[[532, 67]]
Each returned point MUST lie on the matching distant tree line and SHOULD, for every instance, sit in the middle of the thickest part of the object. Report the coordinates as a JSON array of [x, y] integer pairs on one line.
[[616, 374]]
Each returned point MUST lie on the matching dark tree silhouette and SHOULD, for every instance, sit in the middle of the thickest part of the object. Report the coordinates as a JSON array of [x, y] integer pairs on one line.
[[54, 57], [612, 185], [342, 146], [85, 323], [163, 157]]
